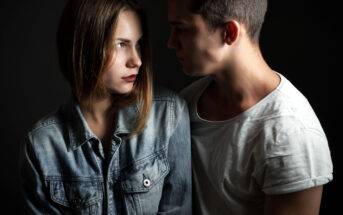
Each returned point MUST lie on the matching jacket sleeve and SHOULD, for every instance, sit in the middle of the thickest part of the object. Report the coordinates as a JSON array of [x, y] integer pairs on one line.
[[177, 190], [35, 194]]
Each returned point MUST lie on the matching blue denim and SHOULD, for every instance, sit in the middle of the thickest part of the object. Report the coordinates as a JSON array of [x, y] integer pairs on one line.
[[64, 171]]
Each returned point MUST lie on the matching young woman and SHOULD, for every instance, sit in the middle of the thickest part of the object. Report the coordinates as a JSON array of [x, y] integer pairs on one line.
[[117, 146]]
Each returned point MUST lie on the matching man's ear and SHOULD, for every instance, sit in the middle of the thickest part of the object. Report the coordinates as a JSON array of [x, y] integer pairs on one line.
[[231, 32]]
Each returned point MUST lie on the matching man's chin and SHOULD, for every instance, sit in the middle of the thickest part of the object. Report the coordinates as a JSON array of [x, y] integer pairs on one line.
[[192, 72]]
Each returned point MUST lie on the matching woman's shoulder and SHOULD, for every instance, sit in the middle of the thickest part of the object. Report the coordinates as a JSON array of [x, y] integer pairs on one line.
[[168, 109], [169, 102], [40, 135], [163, 94], [50, 119], [52, 125]]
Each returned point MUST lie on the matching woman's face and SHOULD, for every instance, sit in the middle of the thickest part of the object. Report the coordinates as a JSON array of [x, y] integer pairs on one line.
[[120, 75]]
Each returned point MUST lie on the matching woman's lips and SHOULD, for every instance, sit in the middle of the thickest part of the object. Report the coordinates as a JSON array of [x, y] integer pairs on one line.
[[131, 78]]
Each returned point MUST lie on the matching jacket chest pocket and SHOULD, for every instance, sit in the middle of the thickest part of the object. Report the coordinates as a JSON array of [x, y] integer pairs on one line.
[[142, 183], [77, 197]]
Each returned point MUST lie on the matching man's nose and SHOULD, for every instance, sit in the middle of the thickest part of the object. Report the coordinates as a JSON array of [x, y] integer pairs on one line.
[[172, 43]]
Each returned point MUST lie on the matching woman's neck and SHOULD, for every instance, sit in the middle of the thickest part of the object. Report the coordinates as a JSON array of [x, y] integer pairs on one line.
[[100, 115], [98, 110]]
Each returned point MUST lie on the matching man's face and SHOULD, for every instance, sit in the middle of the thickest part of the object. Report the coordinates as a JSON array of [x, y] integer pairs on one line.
[[196, 46]]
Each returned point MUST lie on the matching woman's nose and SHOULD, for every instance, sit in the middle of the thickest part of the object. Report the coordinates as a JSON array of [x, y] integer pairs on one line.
[[135, 59]]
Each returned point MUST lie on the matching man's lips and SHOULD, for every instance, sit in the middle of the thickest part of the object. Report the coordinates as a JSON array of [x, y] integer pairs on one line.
[[131, 78], [180, 59]]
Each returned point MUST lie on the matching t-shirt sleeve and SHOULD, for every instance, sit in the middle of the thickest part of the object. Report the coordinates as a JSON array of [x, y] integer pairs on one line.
[[298, 161]]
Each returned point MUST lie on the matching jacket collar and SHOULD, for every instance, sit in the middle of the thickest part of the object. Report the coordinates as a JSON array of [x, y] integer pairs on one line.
[[79, 131]]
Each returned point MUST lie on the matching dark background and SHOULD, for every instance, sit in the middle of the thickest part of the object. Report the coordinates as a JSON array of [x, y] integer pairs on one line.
[[299, 40]]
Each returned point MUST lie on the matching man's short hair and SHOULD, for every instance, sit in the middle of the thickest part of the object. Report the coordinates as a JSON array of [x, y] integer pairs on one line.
[[249, 12]]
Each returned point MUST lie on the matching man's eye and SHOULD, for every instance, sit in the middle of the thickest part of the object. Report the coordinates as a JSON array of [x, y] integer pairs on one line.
[[181, 29]]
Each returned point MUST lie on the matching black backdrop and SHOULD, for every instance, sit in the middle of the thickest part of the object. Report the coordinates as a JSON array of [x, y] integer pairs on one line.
[[299, 40]]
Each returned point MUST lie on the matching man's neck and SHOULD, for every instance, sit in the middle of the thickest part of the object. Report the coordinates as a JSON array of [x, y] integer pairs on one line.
[[241, 84]]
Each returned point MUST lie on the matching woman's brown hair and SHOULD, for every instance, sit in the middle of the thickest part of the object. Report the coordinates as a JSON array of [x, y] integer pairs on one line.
[[83, 39]]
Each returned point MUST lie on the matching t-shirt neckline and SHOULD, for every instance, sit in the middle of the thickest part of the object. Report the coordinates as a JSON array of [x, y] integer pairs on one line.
[[239, 116]]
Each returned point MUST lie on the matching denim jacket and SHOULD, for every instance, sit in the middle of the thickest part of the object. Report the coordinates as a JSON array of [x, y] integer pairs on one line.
[[64, 170]]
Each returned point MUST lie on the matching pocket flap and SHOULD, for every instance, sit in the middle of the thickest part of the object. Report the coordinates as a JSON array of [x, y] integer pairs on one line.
[[75, 194], [144, 174]]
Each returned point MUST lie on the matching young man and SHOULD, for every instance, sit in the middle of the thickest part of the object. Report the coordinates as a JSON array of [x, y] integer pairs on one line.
[[258, 147]]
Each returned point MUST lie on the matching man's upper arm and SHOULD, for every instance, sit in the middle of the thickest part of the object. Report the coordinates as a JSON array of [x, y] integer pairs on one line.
[[295, 173], [298, 161], [305, 202]]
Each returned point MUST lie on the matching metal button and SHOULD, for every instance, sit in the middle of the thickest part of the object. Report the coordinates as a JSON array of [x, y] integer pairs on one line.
[[146, 182]]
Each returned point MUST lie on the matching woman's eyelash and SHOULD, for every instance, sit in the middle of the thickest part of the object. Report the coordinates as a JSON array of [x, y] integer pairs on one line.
[[120, 44]]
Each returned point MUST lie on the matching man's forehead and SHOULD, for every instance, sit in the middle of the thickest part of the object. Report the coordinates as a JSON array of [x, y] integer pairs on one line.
[[179, 10], [181, 3]]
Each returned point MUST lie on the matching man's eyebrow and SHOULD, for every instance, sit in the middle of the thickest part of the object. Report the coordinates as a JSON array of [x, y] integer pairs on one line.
[[177, 23]]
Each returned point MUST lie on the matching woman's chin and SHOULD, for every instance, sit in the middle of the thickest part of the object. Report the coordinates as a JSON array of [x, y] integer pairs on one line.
[[121, 91]]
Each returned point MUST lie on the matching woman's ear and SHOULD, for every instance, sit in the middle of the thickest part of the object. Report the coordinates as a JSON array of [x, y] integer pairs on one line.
[[231, 32]]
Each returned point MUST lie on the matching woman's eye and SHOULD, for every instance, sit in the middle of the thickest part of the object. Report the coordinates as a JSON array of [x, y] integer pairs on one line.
[[120, 45]]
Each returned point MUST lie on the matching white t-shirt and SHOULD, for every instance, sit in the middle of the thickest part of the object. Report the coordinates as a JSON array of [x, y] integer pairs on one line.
[[277, 146]]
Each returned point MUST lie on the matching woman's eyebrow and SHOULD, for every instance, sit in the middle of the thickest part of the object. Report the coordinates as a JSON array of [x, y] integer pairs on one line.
[[128, 40], [123, 40]]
